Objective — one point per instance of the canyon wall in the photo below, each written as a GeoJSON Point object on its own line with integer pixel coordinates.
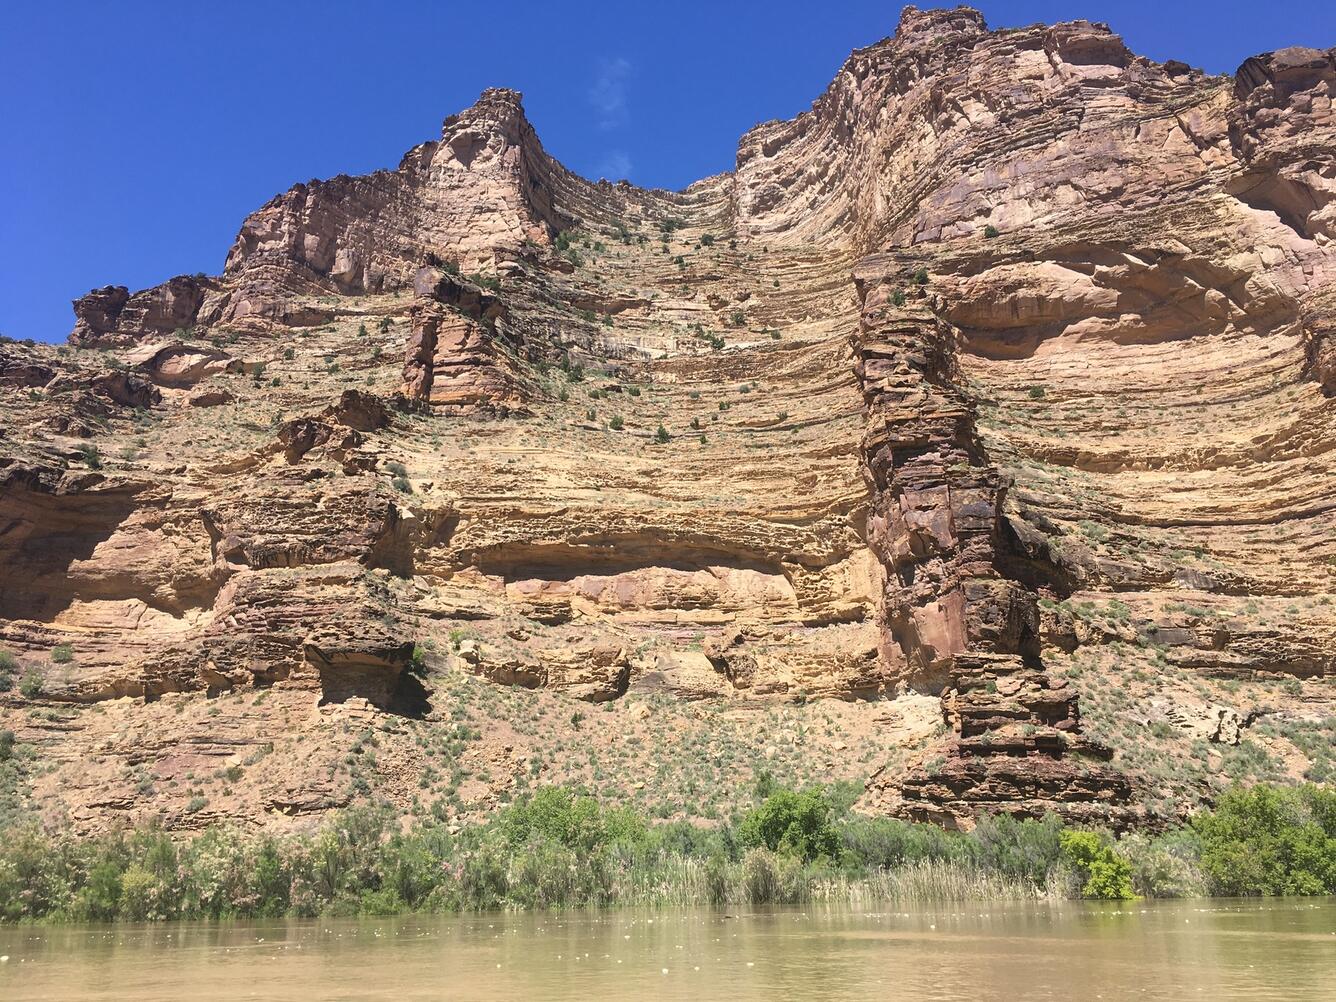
{"type": "Point", "coordinates": [972, 439]}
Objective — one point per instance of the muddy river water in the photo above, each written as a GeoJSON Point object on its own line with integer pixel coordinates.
{"type": "Point", "coordinates": [1218, 949]}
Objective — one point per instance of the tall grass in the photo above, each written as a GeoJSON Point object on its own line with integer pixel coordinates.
{"type": "Point", "coordinates": [935, 881]}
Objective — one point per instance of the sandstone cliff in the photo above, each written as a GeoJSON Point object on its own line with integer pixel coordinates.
{"type": "Point", "coordinates": [975, 436]}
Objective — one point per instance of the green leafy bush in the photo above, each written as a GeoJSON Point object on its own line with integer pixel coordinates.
{"type": "Point", "coordinates": [888, 843]}
{"type": "Point", "coordinates": [1024, 848]}
{"type": "Point", "coordinates": [1167, 866]}
{"type": "Point", "coordinates": [1270, 840]}
{"type": "Point", "coordinates": [1107, 874]}
{"type": "Point", "coordinates": [557, 814]}
{"type": "Point", "coordinates": [796, 824]}
{"type": "Point", "coordinates": [31, 686]}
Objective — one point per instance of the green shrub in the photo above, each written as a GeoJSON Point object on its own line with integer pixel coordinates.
{"type": "Point", "coordinates": [1026, 848]}
{"type": "Point", "coordinates": [31, 686]}
{"type": "Point", "coordinates": [99, 899]}
{"type": "Point", "coordinates": [795, 824]}
{"type": "Point", "coordinates": [1270, 840]}
{"type": "Point", "coordinates": [62, 654]}
{"type": "Point", "coordinates": [990, 231]}
{"type": "Point", "coordinates": [661, 436]}
{"type": "Point", "coordinates": [557, 814]}
{"type": "Point", "coordinates": [1165, 866]}
{"type": "Point", "coordinates": [6, 745]}
{"type": "Point", "coordinates": [1107, 874]}
{"type": "Point", "coordinates": [888, 843]}
{"type": "Point", "coordinates": [615, 422]}
{"type": "Point", "coordinates": [139, 893]}
{"type": "Point", "coordinates": [90, 455]}
{"type": "Point", "coordinates": [899, 298]}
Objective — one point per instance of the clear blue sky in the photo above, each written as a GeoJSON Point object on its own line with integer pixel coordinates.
{"type": "Point", "coordinates": [137, 135]}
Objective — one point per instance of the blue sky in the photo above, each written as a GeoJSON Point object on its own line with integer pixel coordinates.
{"type": "Point", "coordinates": [137, 135]}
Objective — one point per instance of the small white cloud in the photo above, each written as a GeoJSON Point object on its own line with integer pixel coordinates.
{"type": "Point", "coordinates": [615, 166]}
{"type": "Point", "coordinates": [608, 95]}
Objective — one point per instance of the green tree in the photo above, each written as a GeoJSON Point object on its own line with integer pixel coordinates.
{"type": "Point", "coordinates": [1270, 840]}
{"type": "Point", "coordinates": [1107, 874]}
{"type": "Point", "coordinates": [793, 824]}
{"type": "Point", "coordinates": [556, 814]}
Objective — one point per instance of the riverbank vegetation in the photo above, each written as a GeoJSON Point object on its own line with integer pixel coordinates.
{"type": "Point", "coordinates": [560, 849]}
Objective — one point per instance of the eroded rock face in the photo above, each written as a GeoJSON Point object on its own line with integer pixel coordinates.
{"type": "Point", "coordinates": [992, 396]}
{"type": "Point", "coordinates": [19, 373]}
{"type": "Point", "coordinates": [181, 365]}
{"type": "Point", "coordinates": [455, 357]}
{"type": "Point", "coordinates": [111, 315]}
{"type": "Point", "coordinates": [1283, 130]}
{"type": "Point", "coordinates": [485, 185]}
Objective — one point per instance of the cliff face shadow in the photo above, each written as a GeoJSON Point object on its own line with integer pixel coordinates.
{"type": "Point", "coordinates": [42, 536]}
{"type": "Point", "coordinates": [410, 698]}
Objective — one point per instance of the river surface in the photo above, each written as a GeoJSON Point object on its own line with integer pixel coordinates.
{"type": "Point", "coordinates": [1256, 950]}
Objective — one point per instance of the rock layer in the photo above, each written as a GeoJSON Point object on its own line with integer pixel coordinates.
{"type": "Point", "coordinates": [992, 396]}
